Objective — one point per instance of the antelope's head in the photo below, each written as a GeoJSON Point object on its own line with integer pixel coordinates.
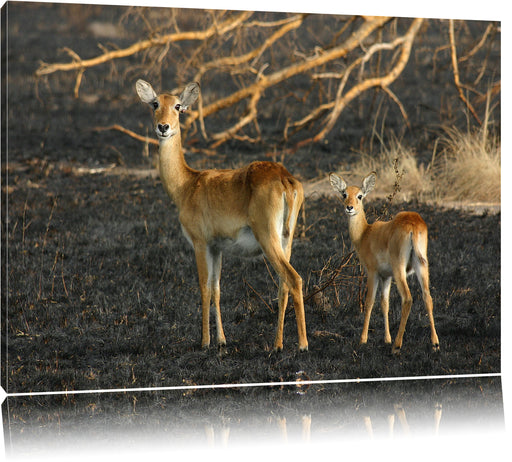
{"type": "Point", "coordinates": [353, 195]}
{"type": "Point", "coordinates": [167, 108]}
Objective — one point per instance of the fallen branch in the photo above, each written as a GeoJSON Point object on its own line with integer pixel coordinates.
{"type": "Point", "coordinates": [342, 101]}
{"type": "Point", "coordinates": [78, 64]}
{"type": "Point", "coordinates": [149, 140]}
{"type": "Point", "coordinates": [344, 76]}
{"type": "Point", "coordinates": [277, 77]}
{"type": "Point", "coordinates": [145, 139]}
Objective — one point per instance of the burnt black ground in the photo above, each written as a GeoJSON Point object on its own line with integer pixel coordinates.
{"type": "Point", "coordinates": [99, 289]}
{"type": "Point", "coordinates": [104, 294]}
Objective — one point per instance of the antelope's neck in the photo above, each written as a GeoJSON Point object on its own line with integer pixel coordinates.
{"type": "Point", "coordinates": [174, 171]}
{"type": "Point", "coordinates": [357, 226]}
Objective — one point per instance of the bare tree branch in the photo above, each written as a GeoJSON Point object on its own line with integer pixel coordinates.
{"type": "Point", "coordinates": [244, 60]}
{"type": "Point", "coordinates": [342, 100]}
{"type": "Point", "coordinates": [79, 64]}
{"type": "Point", "coordinates": [273, 79]}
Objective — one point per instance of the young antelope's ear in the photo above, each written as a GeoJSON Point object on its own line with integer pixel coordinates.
{"type": "Point", "coordinates": [189, 96]}
{"type": "Point", "coordinates": [337, 183]}
{"type": "Point", "coordinates": [368, 183]}
{"type": "Point", "coordinates": [145, 91]}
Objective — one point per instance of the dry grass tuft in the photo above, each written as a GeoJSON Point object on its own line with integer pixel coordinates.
{"type": "Point", "coordinates": [469, 167]}
{"type": "Point", "coordinates": [394, 164]}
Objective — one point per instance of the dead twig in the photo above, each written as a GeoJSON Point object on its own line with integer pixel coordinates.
{"type": "Point", "coordinates": [232, 61]}
{"type": "Point", "coordinates": [399, 104]}
{"type": "Point", "coordinates": [344, 263]}
{"type": "Point", "coordinates": [479, 45]}
{"type": "Point", "coordinates": [259, 295]}
{"type": "Point", "coordinates": [456, 77]}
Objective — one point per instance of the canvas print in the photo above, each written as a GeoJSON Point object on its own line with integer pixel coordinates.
{"type": "Point", "coordinates": [201, 198]}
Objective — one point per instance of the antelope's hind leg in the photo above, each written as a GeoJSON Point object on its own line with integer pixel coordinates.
{"type": "Point", "coordinates": [267, 226]}
{"type": "Point", "coordinates": [282, 303]}
{"type": "Point", "coordinates": [384, 303]}
{"type": "Point", "coordinates": [289, 277]}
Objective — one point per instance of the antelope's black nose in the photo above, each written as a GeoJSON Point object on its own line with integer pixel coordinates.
{"type": "Point", "coordinates": [163, 128]}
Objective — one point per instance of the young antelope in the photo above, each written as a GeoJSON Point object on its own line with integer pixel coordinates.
{"type": "Point", "coordinates": [388, 250]}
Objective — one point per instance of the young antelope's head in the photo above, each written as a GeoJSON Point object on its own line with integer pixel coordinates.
{"type": "Point", "coordinates": [167, 108]}
{"type": "Point", "coordinates": [353, 195]}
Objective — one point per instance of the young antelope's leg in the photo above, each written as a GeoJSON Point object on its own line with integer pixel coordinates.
{"type": "Point", "coordinates": [423, 278]}
{"type": "Point", "coordinates": [372, 284]}
{"type": "Point", "coordinates": [405, 293]}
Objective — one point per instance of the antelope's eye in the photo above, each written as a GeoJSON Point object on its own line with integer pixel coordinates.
{"type": "Point", "coordinates": [177, 107]}
{"type": "Point", "coordinates": [344, 195]}
{"type": "Point", "coordinates": [360, 197]}
{"type": "Point", "coordinates": [155, 104]}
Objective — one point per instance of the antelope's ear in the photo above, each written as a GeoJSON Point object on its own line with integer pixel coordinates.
{"type": "Point", "coordinates": [189, 96]}
{"type": "Point", "coordinates": [368, 183]}
{"type": "Point", "coordinates": [145, 91]}
{"type": "Point", "coordinates": [337, 183]}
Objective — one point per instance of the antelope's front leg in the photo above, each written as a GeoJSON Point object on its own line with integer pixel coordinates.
{"type": "Point", "coordinates": [372, 284]}
{"type": "Point", "coordinates": [405, 294]}
{"type": "Point", "coordinates": [204, 287]}
{"type": "Point", "coordinates": [214, 260]}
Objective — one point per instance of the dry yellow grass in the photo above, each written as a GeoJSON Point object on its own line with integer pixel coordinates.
{"type": "Point", "coordinates": [395, 163]}
{"type": "Point", "coordinates": [469, 167]}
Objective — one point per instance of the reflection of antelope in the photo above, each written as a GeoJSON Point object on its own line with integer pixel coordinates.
{"type": "Point", "coordinates": [399, 411]}
{"type": "Point", "coordinates": [388, 250]}
{"type": "Point", "coordinates": [248, 211]}
{"type": "Point", "coordinates": [305, 421]}
{"type": "Point", "coordinates": [222, 435]}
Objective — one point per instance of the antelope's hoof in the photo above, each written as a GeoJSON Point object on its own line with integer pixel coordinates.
{"type": "Point", "coordinates": [435, 348]}
{"type": "Point", "coordinates": [278, 348]}
{"type": "Point", "coordinates": [222, 349]}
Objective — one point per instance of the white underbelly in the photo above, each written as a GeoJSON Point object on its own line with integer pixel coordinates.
{"type": "Point", "coordinates": [384, 269]}
{"type": "Point", "coordinates": [244, 245]}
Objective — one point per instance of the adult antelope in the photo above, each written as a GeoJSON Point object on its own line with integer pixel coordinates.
{"type": "Point", "coordinates": [247, 211]}
{"type": "Point", "coordinates": [387, 250]}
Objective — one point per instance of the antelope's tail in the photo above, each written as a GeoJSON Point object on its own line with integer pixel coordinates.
{"type": "Point", "coordinates": [293, 197]}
